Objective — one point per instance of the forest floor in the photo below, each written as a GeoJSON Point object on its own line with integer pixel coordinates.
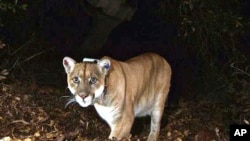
{"type": "Point", "coordinates": [32, 107]}
{"type": "Point", "coordinates": [31, 112]}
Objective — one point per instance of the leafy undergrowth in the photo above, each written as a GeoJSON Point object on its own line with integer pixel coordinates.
{"type": "Point", "coordinates": [31, 112]}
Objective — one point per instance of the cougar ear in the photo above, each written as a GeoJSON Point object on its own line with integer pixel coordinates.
{"type": "Point", "coordinates": [105, 64]}
{"type": "Point", "coordinates": [68, 64]}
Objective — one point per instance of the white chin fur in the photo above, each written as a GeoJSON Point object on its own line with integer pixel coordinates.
{"type": "Point", "coordinates": [99, 92]}
{"type": "Point", "coordinates": [89, 99]}
{"type": "Point", "coordinates": [84, 102]}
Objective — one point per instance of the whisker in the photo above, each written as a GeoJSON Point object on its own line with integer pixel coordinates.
{"type": "Point", "coordinates": [64, 96]}
{"type": "Point", "coordinates": [71, 100]}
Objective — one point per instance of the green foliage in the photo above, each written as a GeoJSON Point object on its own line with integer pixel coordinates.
{"type": "Point", "coordinates": [12, 6]}
{"type": "Point", "coordinates": [210, 24]}
{"type": "Point", "coordinates": [211, 31]}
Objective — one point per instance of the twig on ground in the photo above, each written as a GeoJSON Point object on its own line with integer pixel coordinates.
{"type": "Point", "coordinates": [20, 121]}
{"type": "Point", "coordinates": [238, 70]}
{"type": "Point", "coordinates": [24, 45]}
{"type": "Point", "coordinates": [14, 64]}
{"type": "Point", "coordinates": [37, 54]}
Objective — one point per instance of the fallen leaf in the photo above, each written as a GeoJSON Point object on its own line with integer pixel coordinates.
{"type": "Point", "coordinates": [6, 139]}
{"type": "Point", "coordinates": [186, 132]}
{"type": "Point", "coordinates": [27, 139]}
{"type": "Point", "coordinates": [37, 134]}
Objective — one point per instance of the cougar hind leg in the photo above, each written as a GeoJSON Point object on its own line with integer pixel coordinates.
{"type": "Point", "coordinates": [156, 116]}
{"type": "Point", "coordinates": [155, 125]}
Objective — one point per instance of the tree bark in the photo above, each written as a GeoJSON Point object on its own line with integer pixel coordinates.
{"type": "Point", "coordinates": [113, 12]}
{"type": "Point", "coordinates": [98, 34]}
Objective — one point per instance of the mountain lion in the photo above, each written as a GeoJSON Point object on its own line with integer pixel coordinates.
{"type": "Point", "coordinates": [121, 91]}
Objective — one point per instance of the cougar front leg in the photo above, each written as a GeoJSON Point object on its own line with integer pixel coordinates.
{"type": "Point", "coordinates": [122, 128]}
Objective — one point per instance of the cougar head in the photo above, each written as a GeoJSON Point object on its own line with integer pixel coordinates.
{"type": "Point", "coordinates": [86, 80]}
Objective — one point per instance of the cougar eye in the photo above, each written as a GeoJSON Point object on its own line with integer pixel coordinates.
{"type": "Point", "coordinates": [92, 80]}
{"type": "Point", "coordinates": [76, 79]}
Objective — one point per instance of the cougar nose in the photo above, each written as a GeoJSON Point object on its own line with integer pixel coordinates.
{"type": "Point", "coordinates": [83, 96]}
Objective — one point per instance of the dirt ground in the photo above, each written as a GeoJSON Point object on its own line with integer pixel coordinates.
{"type": "Point", "coordinates": [32, 107]}
{"type": "Point", "coordinates": [30, 112]}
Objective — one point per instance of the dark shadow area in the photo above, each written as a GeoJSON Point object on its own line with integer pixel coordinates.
{"type": "Point", "coordinates": [207, 44]}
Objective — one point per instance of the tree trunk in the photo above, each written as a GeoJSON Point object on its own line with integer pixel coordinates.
{"type": "Point", "coordinates": [98, 34]}
{"type": "Point", "coordinates": [113, 12]}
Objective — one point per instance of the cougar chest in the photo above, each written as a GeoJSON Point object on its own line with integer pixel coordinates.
{"type": "Point", "coordinates": [109, 114]}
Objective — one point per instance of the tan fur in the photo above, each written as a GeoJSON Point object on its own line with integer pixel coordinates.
{"type": "Point", "coordinates": [136, 87]}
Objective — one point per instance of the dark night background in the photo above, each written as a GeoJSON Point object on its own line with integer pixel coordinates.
{"type": "Point", "coordinates": [206, 43]}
